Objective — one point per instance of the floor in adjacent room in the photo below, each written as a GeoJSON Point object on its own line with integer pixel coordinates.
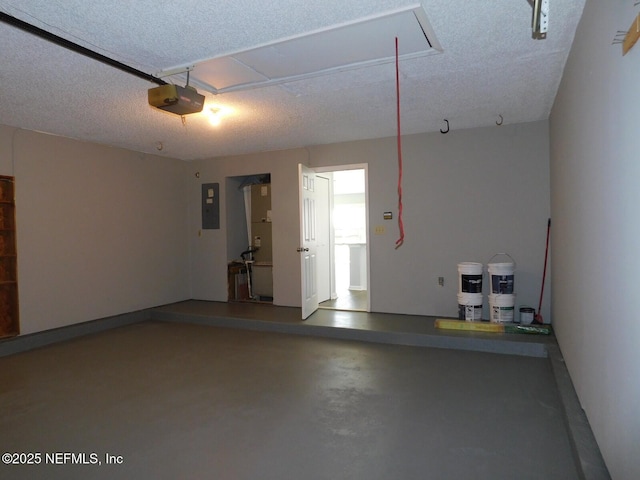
{"type": "Point", "coordinates": [348, 300]}
{"type": "Point", "coordinates": [181, 400]}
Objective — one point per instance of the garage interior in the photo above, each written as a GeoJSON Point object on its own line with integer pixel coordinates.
{"type": "Point", "coordinates": [502, 127]}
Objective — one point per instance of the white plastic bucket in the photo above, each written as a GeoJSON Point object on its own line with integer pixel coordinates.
{"type": "Point", "coordinates": [470, 277]}
{"type": "Point", "coordinates": [501, 278]}
{"type": "Point", "coordinates": [527, 314]}
{"type": "Point", "coordinates": [501, 308]}
{"type": "Point", "coordinates": [470, 306]}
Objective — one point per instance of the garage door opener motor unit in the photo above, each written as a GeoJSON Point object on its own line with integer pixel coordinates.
{"type": "Point", "coordinates": [176, 99]}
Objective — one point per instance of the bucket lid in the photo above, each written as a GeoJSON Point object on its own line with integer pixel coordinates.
{"type": "Point", "coordinates": [470, 298]}
{"type": "Point", "coordinates": [512, 262]}
{"type": "Point", "coordinates": [473, 296]}
{"type": "Point", "coordinates": [503, 299]}
{"type": "Point", "coordinates": [470, 268]}
{"type": "Point", "coordinates": [502, 265]}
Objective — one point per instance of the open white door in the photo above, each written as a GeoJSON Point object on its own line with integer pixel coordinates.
{"type": "Point", "coordinates": [307, 248]}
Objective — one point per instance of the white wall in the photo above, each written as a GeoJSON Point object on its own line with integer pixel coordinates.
{"type": "Point", "coordinates": [467, 195]}
{"type": "Point", "coordinates": [101, 231]}
{"type": "Point", "coordinates": [595, 171]}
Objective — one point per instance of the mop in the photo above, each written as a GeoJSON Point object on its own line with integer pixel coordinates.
{"type": "Point", "coordinates": [538, 317]}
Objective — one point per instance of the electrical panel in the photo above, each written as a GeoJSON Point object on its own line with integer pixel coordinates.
{"type": "Point", "coordinates": [210, 206]}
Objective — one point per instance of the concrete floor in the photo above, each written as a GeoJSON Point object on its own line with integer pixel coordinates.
{"type": "Point", "coordinates": [181, 400]}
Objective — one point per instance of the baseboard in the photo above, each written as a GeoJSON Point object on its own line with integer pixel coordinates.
{"type": "Point", "coordinates": [23, 343]}
{"type": "Point", "coordinates": [585, 449]}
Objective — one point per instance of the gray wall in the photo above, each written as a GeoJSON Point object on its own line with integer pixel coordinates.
{"type": "Point", "coordinates": [467, 195]}
{"type": "Point", "coordinates": [101, 231]}
{"type": "Point", "coordinates": [208, 260]}
{"type": "Point", "coordinates": [595, 172]}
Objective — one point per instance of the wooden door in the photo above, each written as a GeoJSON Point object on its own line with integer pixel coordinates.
{"type": "Point", "coordinates": [9, 324]}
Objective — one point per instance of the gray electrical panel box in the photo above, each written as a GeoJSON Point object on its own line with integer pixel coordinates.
{"type": "Point", "coordinates": [210, 206]}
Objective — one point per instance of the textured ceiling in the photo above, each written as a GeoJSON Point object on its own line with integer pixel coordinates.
{"type": "Point", "coordinates": [489, 66]}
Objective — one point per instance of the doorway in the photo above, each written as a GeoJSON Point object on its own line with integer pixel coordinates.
{"type": "Point", "coordinates": [346, 283]}
{"type": "Point", "coordinates": [249, 238]}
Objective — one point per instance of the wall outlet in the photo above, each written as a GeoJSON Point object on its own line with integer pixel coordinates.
{"type": "Point", "coordinates": [379, 230]}
{"type": "Point", "coordinates": [441, 281]}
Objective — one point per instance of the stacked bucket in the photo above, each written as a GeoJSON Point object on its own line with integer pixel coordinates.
{"type": "Point", "coordinates": [502, 298]}
{"type": "Point", "coordinates": [470, 291]}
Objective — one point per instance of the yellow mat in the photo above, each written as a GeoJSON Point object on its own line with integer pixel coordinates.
{"type": "Point", "coordinates": [450, 324]}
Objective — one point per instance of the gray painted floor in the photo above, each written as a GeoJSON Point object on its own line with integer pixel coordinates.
{"type": "Point", "coordinates": [388, 328]}
{"type": "Point", "coordinates": [180, 400]}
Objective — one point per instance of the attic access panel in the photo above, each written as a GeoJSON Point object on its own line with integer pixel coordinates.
{"type": "Point", "coordinates": [358, 44]}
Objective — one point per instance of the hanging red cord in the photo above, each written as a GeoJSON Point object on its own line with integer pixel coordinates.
{"type": "Point", "coordinates": [400, 240]}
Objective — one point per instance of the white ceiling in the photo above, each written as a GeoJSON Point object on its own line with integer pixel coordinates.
{"type": "Point", "coordinates": [489, 66]}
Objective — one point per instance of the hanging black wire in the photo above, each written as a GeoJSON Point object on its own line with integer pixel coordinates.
{"type": "Point", "coordinates": [63, 42]}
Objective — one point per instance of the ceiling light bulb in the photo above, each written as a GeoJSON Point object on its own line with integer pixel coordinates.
{"type": "Point", "coordinates": [214, 116]}
{"type": "Point", "coordinates": [217, 112]}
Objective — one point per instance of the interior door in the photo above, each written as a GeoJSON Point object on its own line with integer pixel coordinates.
{"type": "Point", "coordinates": [308, 240]}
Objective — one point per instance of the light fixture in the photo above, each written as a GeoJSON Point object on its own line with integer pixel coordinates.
{"type": "Point", "coordinates": [216, 113]}
{"type": "Point", "coordinates": [214, 116]}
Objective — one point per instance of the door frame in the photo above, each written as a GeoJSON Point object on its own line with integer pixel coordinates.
{"type": "Point", "coordinates": [325, 250]}
{"type": "Point", "coordinates": [353, 166]}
